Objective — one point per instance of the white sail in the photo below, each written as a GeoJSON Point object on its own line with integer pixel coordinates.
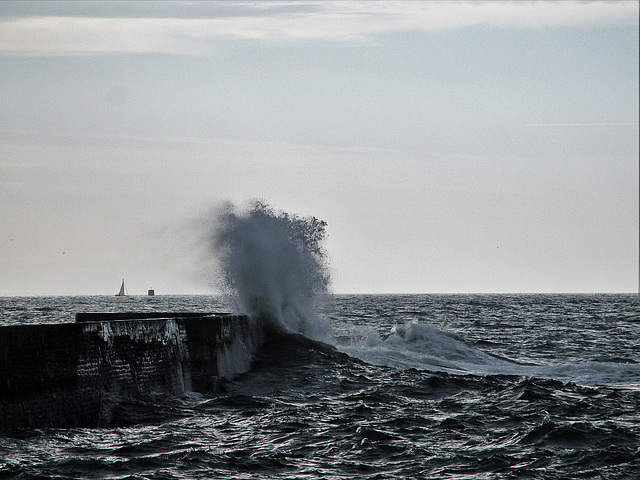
{"type": "Point", "coordinates": [122, 292]}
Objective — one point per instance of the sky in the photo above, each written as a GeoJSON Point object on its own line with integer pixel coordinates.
{"type": "Point", "coordinates": [451, 147]}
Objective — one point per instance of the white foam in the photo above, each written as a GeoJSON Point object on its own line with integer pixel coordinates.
{"type": "Point", "coordinates": [425, 347]}
{"type": "Point", "coordinates": [234, 357]}
{"type": "Point", "coordinates": [417, 345]}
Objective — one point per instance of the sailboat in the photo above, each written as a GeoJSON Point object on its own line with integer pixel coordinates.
{"type": "Point", "coordinates": [122, 291]}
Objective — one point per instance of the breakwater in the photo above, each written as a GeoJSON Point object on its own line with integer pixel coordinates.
{"type": "Point", "coordinates": [66, 375]}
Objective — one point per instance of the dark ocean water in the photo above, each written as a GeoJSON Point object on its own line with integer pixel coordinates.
{"type": "Point", "coordinates": [413, 386]}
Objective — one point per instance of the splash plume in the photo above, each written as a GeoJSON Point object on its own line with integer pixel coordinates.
{"type": "Point", "coordinates": [273, 265]}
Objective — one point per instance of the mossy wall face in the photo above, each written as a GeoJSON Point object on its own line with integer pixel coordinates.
{"type": "Point", "coordinates": [57, 375]}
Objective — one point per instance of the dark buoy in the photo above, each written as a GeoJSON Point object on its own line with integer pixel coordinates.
{"type": "Point", "coordinates": [151, 292]}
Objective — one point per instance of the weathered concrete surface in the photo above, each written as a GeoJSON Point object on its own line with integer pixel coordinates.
{"type": "Point", "coordinates": [60, 375]}
{"type": "Point", "coordinates": [111, 316]}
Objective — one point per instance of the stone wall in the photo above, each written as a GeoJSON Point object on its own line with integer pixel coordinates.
{"type": "Point", "coordinates": [60, 375]}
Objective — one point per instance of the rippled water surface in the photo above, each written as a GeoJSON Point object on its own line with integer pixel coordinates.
{"type": "Point", "coordinates": [448, 386]}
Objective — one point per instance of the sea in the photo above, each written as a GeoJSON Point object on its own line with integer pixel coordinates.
{"type": "Point", "coordinates": [390, 387]}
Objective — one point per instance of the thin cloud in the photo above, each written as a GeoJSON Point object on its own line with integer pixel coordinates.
{"type": "Point", "coordinates": [287, 22]}
{"type": "Point", "coordinates": [610, 124]}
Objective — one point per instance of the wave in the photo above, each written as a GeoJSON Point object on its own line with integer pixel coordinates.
{"type": "Point", "coordinates": [273, 266]}
{"type": "Point", "coordinates": [423, 346]}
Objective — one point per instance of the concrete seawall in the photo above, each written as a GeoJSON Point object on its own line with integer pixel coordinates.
{"type": "Point", "coordinates": [62, 375]}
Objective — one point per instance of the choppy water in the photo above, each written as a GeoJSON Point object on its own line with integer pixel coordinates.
{"type": "Point", "coordinates": [415, 386]}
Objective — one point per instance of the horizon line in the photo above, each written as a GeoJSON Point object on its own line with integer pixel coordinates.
{"type": "Point", "coordinates": [334, 293]}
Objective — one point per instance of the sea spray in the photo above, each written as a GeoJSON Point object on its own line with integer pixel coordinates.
{"type": "Point", "coordinates": [273, 265]}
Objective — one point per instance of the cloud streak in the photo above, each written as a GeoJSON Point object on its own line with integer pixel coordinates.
{"type": "Point", "coordinates": [609, 124]}
{"type": "Point", "coordinates": [350, 22]}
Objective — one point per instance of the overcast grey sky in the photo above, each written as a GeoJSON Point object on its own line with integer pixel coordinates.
{"type": "Point", "coordinates": [450, 147]}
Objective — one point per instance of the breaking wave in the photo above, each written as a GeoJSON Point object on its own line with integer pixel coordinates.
{"type": "Point", "coordinates": [424, 346]}
{"type": "Point", "coordinates": [273, 267]}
